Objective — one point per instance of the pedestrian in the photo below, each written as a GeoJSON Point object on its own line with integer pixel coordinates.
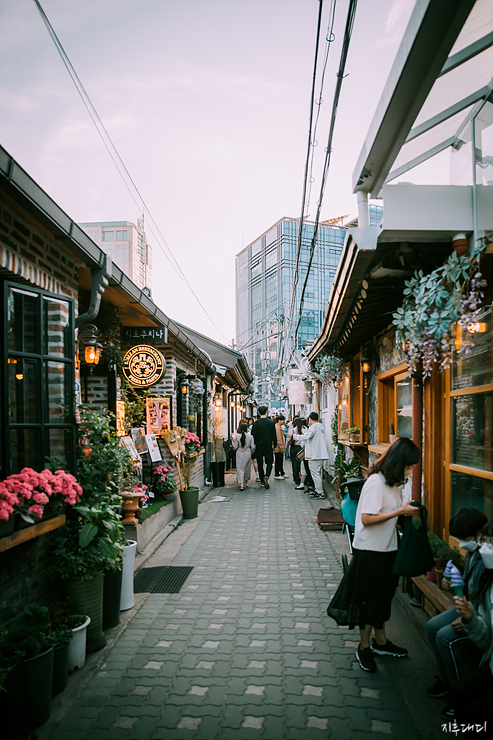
{"type": "Point", "coordinates": [254, 459]}
{"type": "Point", "coordinates": [265, 438]}
{"type": "Point", "coordinates": [363, 597]}
{"type": "Point", "coordinates": [446, 628]}
{"type": "Point", "coordinates": [279, 449]}
{"type": "Point", "coordinates": [316, 452]}
{"type": "Point", "coordinates": [294, 448]}
{"type": "Point", "coordinates": [244, 445]}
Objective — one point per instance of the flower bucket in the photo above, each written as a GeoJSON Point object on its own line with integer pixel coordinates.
{"type": "Point", "coordinates": [112, 592]}
{"type": "Point", "coordinates": [86, 597]}
{"type": "Point", "coordinates": [38, 680]}
{"type": "Point", "coordinates": [127, 598]}
{"type": "Point", "coordinates": [77, 645]}
{"type": "Point", "coordinates": [60, 668]}
{"type": "Point", "coordinates": [190, 503]}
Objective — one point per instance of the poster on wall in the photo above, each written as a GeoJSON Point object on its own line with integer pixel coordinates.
{"type": "Point", "coordinates": [120, 418]}
{"type": "Point", "coordinates": [139, 440]}
{"type": "Point", "coordinates": [158, 415]}
{"type": "Point", "coordinates": [153, 448]}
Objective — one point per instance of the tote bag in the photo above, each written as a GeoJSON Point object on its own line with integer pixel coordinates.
{"type": "Point", "coordinates": [414, 556]}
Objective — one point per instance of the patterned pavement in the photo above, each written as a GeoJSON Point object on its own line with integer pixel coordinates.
{"type": "Point", "coordinates": [245, 651]}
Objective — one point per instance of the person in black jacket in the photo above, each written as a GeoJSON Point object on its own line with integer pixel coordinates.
{"type": "Point", "coordinates": [264, 434]}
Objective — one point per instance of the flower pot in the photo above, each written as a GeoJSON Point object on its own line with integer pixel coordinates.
{"type": "Point", "coordinates": [190, 503]}
{"type": "Point", "coordinates": [60, 668]}
{"type": "Point", "coordinates": [130, 504]}
{"type": "Point", "coordinates": [391, 438]}
{"type": "Point", "coordinates": [15, 721]}
{"type": "Point", "coordinates": [127, 597]}
{"type": "Point", "coordinates": [7, 527]}
{"type": "Point", "coordinates": [77, 645]}
{"type": "Point", "coordinates": [86, 597]}
{"type": "Point", "coordinates": [112, 592]}
{"type": "Point", "coordinates": [38, 679]}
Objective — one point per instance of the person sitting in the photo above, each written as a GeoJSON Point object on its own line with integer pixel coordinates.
{"type": "Point", "coordinates": [445, 630]}
{"type": "Point", "coordinates": [471, 698]}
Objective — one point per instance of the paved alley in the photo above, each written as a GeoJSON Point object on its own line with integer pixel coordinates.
{"type": "Point", "coordinates": [245, 650]}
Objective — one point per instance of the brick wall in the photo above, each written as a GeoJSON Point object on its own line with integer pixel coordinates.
{"type": "Point", "coordinates": [97, 392]}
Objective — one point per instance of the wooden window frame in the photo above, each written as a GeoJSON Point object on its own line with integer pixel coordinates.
{"type": "Point", "coordinates": [386, 401]}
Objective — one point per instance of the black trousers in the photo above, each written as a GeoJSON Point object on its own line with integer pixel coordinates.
{"type": "Point", "coordinates": [279, 463]}
{"type": "Point", "coordinates": [294, 449]}
{"type": "Point", "coordinates": [267, 456]}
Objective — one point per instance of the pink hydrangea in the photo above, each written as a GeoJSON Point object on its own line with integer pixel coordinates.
{"type": "Point", "coordinates": [36, 510]}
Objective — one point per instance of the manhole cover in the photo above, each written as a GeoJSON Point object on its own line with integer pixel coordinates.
{"type": "Point", "coordinates": [161, 580]}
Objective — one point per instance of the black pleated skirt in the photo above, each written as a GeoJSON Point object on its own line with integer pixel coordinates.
{"type": "Point", "coordinates": [365, 593]}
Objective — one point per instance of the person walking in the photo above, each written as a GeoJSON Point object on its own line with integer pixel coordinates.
{"type": "Point", "coordinates": [265, 438]}
{"type": "Point", "coordinates": [363, 597]}
{"type": "Point", "coordinates": [279, 449]}
{"type": "Point", "coordinates": [244, 445]}
{"type": "Point", "coordinates": [316, 452]}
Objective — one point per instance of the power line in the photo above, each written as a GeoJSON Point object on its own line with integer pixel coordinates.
{"type": "Point", "coordinates": [340, 76]}
{"type": "Point", "coordinates": [117, 160]}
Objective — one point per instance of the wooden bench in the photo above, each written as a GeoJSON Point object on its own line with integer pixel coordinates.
{"type": "Point", "coordinates": [433, 600]}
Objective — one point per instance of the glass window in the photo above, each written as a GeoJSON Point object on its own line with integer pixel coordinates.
{"type": "Point", "coordinates": [23, 390]}
{"type": "Point", "coordinates": [471, 431]}
{"type": "Point", "coordinates": [108, 236]}
{"type": "Point", "coordinates": [404, 399]}
{"type": "Point", "coordinates": [25, 449]}
{"type": "Point", "coordinates": [57, 390]}
{"type": "Point", "coordinates": [124, 234]}
{"type": "Point", "coordinates": [57, 340]}
{"type": "Point", "coordinates": [470, 490]}
{"type": "Point", "coordinates": [475, 368]}
{"type": "Point", "coordinates": [23, 321]}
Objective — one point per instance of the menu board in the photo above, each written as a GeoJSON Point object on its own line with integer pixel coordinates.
{"type": "Point", "coordinates": [120, 418]}
{"type": "Point", "coordinates": [153, 448]}
{"type": "Point", "coordinates": [158, 415]}
{"type": "Point", "coordinates": [138, 436]}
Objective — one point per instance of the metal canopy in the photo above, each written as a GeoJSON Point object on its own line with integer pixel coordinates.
{"type": "Point", "coordinates": [447, 49]}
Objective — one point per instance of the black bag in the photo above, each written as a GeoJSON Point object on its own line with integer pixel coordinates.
{"type": "Point", "coordinates": [414, 556]}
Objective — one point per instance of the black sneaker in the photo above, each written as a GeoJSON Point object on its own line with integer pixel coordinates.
{"type": "Point", "coordinates": [439, 689]}
{"type": "Point", "coordinates": [366, 659]}
{"type": "Point", "coordinates": [448, 712]}
{"type": "Point", "coordinates": [266, 484]}
{"type": "Point", "coordinates": [388, 649]}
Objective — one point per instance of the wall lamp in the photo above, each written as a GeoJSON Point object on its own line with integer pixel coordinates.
{"type": "Point", "coordinates": [365, 365]}
{"type": "Point", "coordinates": [92, 348]}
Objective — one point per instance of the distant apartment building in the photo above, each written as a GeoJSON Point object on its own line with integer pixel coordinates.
{"type": "Point", "coordinates": [127, 246]}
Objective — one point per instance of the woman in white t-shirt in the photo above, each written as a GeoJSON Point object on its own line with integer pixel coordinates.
{"type": "Point", "coordinates": [365, 593]}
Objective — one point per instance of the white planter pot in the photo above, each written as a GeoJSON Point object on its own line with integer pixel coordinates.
{"type": "Point", "coordinates": [127, 599]}
{"type": "Point", "coordinates": [77, 646]}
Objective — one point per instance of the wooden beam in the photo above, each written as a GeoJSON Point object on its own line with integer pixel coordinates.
{"type": "Point", "coordinates": [29, 533]}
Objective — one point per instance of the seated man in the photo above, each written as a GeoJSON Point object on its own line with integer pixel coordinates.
{"type": "Point", "coordinates": [444, 630]}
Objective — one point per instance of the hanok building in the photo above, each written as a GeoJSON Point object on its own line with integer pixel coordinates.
{"type": "Point", "coordinates": [428, 156]}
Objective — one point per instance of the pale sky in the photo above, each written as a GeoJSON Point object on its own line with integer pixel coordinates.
{"type": "Point", "coordinates": [207, 102]}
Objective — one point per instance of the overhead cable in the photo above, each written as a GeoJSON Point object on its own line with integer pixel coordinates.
{"type": "Point", "coordinates": [118, 161]}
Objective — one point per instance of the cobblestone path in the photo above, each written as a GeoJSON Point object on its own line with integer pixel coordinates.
{"type": "Point", "coordinates": [245, 651]}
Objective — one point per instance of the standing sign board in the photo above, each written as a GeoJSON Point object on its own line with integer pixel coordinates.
{"type": "Point", "coordinates": [158, 413]}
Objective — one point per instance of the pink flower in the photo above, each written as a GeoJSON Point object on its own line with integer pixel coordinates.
{"type": "Point", "coordinates": [36, 511]}
{"type": "Point", "coordinates": [41, 498]}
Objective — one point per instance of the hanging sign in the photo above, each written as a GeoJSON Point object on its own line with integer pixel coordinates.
{"type": "Point", "coordinates": [142, 333]}
{"type": "Point", "coordinates": [143, 365]}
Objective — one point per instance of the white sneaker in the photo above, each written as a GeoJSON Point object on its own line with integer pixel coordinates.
{"type": "Point", "coordinates": [278, 477]}
{"type": "Point", "coordinates": [300, 487]}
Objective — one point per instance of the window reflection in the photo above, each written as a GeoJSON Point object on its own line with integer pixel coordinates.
{"type": "Point", "coordinates": [468, 490]}
{"type": "Point", "coordinates": [23, 321]}
{"type": "Point", "coordinates": [471, 431]}
{"type": "Point", "coordinates": [56, 328]}
{"type": "Point", "coordinates": [475, 368]}
{"type": "Point", "coordinates": [404, 402]}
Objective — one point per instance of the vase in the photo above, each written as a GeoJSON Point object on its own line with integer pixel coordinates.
{"type": "Point", "coordinates": [77, 645]}
{"type": "Point", "coordinates": [127, 597]}
{"type": "Point", "coordinates": [112, 592]}
{"type": "Point", "coordinates": [86, 597]}
{"type": "Point", "coordinates": [190, 503]}
{"type": "Point", "coordinates": [7, 527]}
{"type": "Point", "coordinates": [38, 680]}
{"type": "Point", "coordinates": [60, 668]}
{"type": "Point", "coordinates": [130, 504]}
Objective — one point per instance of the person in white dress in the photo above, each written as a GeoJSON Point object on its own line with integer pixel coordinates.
{"type": "Point", "coordinates": [244, 445]}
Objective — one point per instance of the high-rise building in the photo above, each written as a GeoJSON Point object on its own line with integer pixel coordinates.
{"type": "Point", "coordinates": [265, 273]}
{"type": "Point", "coordinates": [127, 246]}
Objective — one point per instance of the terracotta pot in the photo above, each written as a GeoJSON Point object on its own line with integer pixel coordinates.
{"type": "Point", "coordinates": [130, 504]}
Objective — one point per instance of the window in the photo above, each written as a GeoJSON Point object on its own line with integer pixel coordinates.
{"type": "Point", "coordinates": [395, 406]}
{"type": "Point", "coordinates": [108, 236]}
{"type": "Point", "coordinates": [469, 425]}
{"type": "Point", "coordinates": [38, 388]}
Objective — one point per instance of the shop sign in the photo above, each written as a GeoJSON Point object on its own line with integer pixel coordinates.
{"type": "Point", "coordinates": [145, 333]}
{"type": "Point", "coordinates": [143, 365]}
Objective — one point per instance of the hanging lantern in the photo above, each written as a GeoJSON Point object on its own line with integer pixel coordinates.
{"type": "Point", "coordinates": [92, 348]}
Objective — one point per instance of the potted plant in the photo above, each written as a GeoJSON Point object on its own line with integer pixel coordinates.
{"type": "Point", "coordinates": [352, 433]}
{"type": "Point", "coordinates": [60, 639]}
{"type": "Point", "coordinates": [163, 484]}
{"type": "Point", "coordinates": [189, 496]}
{"type": "Point", "coordinates": [442, 552]}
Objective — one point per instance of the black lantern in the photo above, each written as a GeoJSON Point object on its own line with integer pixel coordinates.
{"type": "Point", "coordinates": [365, 365]}
{"type": "Point", "coordinates": [92, 348]}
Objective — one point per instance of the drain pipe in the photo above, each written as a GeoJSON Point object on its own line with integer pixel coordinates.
{"type": "Point", "coordinates": [417, 434]}
{"type": "Point", "coordinates": [363, 215]}
{"type": "Point", "coordinates": [99, 282]}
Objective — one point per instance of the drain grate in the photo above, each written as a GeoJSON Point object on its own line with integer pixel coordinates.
{"type": "Point", "coordinates": [161, 580]}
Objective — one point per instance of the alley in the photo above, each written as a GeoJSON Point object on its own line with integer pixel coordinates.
{"type": "Point", "coordinates": [245, 650]}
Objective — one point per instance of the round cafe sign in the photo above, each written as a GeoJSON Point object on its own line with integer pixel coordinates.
{"type": "Point", "coordinates": [143, 365]}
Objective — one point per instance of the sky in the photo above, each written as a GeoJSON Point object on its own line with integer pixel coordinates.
{"type": "Point", "coordinates": [207, 103]}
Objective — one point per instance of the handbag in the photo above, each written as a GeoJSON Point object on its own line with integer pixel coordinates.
{"type": "Point", "coordinates": [414, 556]}
{"type": "Point", "coordinates": [301, 454]}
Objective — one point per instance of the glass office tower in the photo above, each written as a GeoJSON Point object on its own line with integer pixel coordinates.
{"type": "Point", "coordinates": [264, 285]}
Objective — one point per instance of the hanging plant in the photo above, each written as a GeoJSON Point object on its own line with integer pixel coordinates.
{"type": "Point", "coordinates": [434, 305]}
{"type": "Point", "coordinates": [329, 367]}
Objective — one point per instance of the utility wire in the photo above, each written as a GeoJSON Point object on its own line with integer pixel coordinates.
{"type": "Point", "coordinates": [117, 160]}
{"type": "Point", "coordinates": [340, 76]}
